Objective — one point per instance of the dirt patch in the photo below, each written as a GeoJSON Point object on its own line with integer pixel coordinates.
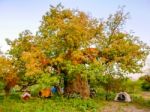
{"type": "Point", "coordinates": [146, 95]}
{"type": "Point", "coordinates": [122, 107]}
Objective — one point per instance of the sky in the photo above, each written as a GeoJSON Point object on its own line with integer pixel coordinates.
{"type": "Point", "coordinates": [19, 15]}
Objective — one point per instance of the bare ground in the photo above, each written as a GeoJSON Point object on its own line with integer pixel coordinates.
{"type": "Point", "coordinates": [146, 95]}
{"type": "Point", "coordinates": [122, 107]}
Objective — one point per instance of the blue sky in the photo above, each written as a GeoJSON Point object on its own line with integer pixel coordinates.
{"type": "Point", "coordinates": [18, 15]}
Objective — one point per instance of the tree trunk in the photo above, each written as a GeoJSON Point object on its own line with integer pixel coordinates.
{"type": "Point", "coordinates": [77, 85]}
{"type": "Point", "coordinates": [7, 90]}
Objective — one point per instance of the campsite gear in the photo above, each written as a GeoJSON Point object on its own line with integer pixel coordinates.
{"type": "Point", "coordinates": [123, 96]}
{"type": "Point", "coordinates": [45, 93]}
{"type": "Point", "coordinates": [26, 96]}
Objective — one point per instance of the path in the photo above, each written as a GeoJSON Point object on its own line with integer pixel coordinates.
{"type": "Point", "coordinates": [122, 107]}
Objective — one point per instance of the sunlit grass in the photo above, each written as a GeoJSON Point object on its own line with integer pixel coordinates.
{"type": "Point", "coordinates": [57, 104]}
{"type": "Point", "coordinates": [14, 103]}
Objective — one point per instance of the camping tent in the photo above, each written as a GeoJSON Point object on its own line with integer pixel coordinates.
{"type": "Point", "coordinates": [123, 96]}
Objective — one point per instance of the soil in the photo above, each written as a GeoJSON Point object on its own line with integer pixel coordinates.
{"type": "Point", "coordinates": [122, 107]}
{"type": "Point", "coordinates": [146, 95]}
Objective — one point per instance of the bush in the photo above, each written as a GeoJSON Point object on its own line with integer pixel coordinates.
{"type": "Point", "coordinates": [103, 94]}
{"type": "Point", "coordinates": [131, 86]}
{"type": "Point", "coordinates": [35, 89]}
{"type": "Point", "coordinates": [145, 86]}
{"type": "Point", "coordinates": [110, 96]}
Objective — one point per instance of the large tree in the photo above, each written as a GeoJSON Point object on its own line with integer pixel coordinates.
{"type": "Point", "coordinates": [72, 45]}
{"type": "Point", "coordinates": [69, 35]}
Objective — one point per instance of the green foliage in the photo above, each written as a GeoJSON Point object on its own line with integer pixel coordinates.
{"type": "Point", "coordinates": [103, 95]}
{"type": "Point", "coordinates": [145, 85]}
{"type": "Point", "coordinates": [111, 83]}
{"type": "Point", "coordinates": [131, 86]}
{"type": "Point", "coordinates": [87, 71]}
{"type": "Point", "coordinates": [1, 86]}
{"type": "Point", "coordinates": [48, 80]}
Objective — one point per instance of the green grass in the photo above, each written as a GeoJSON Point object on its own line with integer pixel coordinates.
{"type": "Point", "coordinates": [139, 100]}
{"type": "Point", "coordinates": [13, 103]}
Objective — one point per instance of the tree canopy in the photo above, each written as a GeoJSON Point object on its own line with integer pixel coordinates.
{"type": "Point", "coordinates": [71, 45]}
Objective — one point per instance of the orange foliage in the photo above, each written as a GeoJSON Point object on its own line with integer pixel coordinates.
{"type": "Point", "coordinates": [44, 61]}
{"type": "Point", "coordinates": [11, 80]}
{"type": "Point", "coordinates": [77, 57]}
{"type": "Point", "coordinates": [81, 56]}
{"type": "Point", "coordinates": [91, 54]}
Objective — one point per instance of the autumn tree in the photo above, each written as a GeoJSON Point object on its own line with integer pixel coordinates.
{"type": "Point", "coordinates": [7, 74]}
{"type": "Point", "coordinates": [28, 59]}
{"type": "Point", "coordinates": [67, 37]}
{"type": "Point", "coordinates": [69, 34]}
{"type": "Point", "coordinates": [72, 45]}
{"type": "Point", "coordinates": [121, 52]}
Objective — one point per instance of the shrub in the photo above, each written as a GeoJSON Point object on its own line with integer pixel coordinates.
{"type": "Point", "coordinates": [145, 86]}
{"type": "Point", "coordinates": [131, 86]}
{"type": "Point", "coordinates": [103, 95]}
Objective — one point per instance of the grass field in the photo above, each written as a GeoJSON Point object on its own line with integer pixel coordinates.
{"type": "Point", "coordinates": [57, 104]}
{"type": "Point", "coordinates": [13, 103]}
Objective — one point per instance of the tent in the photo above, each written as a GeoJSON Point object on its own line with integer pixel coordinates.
{"type": "Point", "coordinates": [45, 93]}
{"type": "Point", "coordinates": [26, 96]}
{"type": "Point", "coordinates": [123, 96]}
